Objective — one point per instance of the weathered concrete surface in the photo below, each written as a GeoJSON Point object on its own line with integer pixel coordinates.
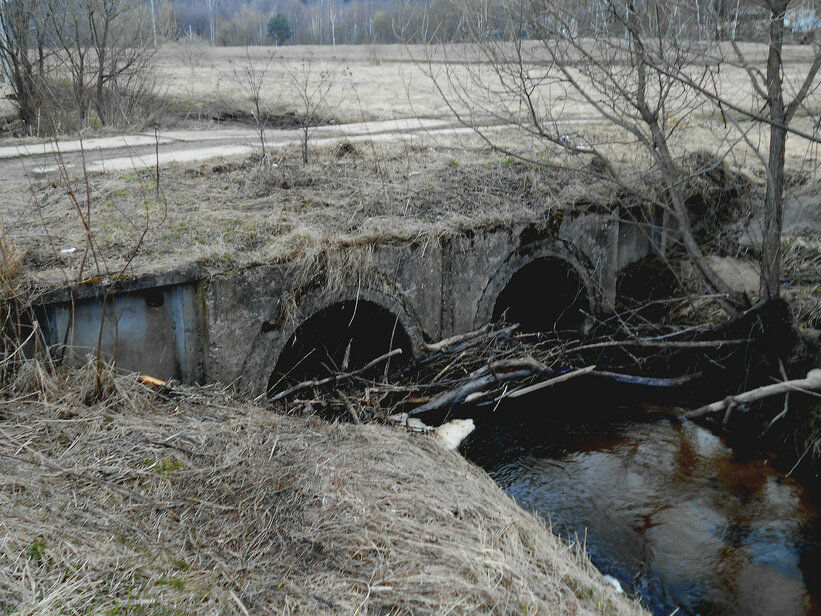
{"type": "Point", "coordinates": [802, 216]}
{"type": "Point", "coordinates": [740, 275]}
{"type": "Point", "coordinates": [231, 326]}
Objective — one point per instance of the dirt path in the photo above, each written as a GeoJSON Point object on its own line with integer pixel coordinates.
{"type": "Point", "coordinates": [20, 163]}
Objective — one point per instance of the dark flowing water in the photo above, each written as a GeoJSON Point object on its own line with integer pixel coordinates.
{"type": "Point", "coordinates": [666, 507]}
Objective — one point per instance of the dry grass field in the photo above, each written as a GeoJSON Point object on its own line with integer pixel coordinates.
{"type": "Point", "coordinates": [237, 211]}
{"type": "Point", "coordinates": [387, 81]}
{"type": "Point", "coordinates": [197, 81]}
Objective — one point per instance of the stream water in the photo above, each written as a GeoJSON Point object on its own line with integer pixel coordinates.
{"type": "Point", "coordinates": [665, 506]}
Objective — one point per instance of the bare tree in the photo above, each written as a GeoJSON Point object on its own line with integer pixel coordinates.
{"type": "Point", "coordinates": [309, 87]}
{"type": "Point", "coordinates": [778, 113]}
{"type": "Point", "coordinates": [121, 35]}
{"type": "Point", "coordinates": [24, 54]}
{"type": "Point", "coordinates": [644, 66]}
{"type": "Point", "coordinates": [251, 79]}
{"type": "Point", "coordinates": [101, 49]}
{"type": "Point", "coordinates": [212, 18]}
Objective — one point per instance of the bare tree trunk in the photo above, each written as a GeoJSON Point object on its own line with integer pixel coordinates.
{"type": "Point", "coordinates": [102, 47]}
{"type": "Point", "coordinates": [732, 302]}
{"type": "Point", "coordinates": [304, 144]}
{"type": "Point", "coordinates": [774, 199]}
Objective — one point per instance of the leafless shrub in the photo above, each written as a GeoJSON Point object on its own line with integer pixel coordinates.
{"type": "Point", "coordinates": [309, 87]}
{"type": "Point", "coordinates": [98, 53]}
{"type": "Point", "coordinates": [251, 79]}
{"type": "Point", "coordinates": [17, 333]}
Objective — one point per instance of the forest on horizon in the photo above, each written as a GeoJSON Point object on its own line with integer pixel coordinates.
{"type": "Point", "coordinates": [353, 22]}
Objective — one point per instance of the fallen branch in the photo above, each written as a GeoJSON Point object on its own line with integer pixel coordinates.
{"type": "Point", "coordinates": [336, 377]}
{"type": "Point", "coordinates": [457, 343]}
{"type": "Point", "coordinates": [550, 382]}
{"type": "Point", "coordinates": [446, 342]}
{"type": "Point", "coordinates": [502, 365]}
{"type": "Point", "coordinates": [696, 344]}
{"type": "Point", "coordinates": [455, 396]}
{"type": "Point", "coordinates": [811, 383]}
{"type": "Point", "coordinates": [648, 381]}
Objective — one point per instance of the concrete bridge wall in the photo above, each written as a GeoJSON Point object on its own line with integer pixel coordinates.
{"type": "Point", "coordinates": [231, 326]}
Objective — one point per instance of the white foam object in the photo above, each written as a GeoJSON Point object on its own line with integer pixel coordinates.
{"type": "Point", "coordinates": [614, 583]}
{"type": "Point", "coordinates": [452, 433]}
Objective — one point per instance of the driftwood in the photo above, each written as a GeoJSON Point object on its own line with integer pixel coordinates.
{"type": "Point", "coordinates": [497, 372]}
{"type": "Point", "coordinates": [613, 376]}
{"type": "Point", "coordinates": [336, 377]}
{"type": "Point", "coordinates": [811, 383]}
{"type": "Point", "coordinates": [550, 382]}
{"type": "Point", "coordinates": [454, 396]}
{"type": "Point", "coordinates": [492, 373]}
{"type": "Point", "coordinates": [664, 344]}
{"type": "Point", "coordinates": [435, 347]}
{"type": "Point", "coordinates": [647, 381]}
{"type": "Point", "coordinates": [457, 343]}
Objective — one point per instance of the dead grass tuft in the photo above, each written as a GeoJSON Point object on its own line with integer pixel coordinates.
{"type": "Point", "coordinates": [34, 378]}
{"type": "Point", "coordinates": [801, 259]}
{"type": "Point", "coordinates": [11, 266]}
{"type": "Point", "coordinates": [202, 504]}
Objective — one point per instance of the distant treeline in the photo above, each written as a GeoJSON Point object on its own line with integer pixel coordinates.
{"type": "Point", "coordinates": [339, 22]}
{"type": "Point", "coordinates": [317, 22]}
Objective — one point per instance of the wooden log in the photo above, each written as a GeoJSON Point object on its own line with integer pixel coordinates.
{"type": "Point", "coordinates": [811, 383]}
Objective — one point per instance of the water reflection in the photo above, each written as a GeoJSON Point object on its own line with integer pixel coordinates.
{"type": "Point", "coordinates": [668, 509]}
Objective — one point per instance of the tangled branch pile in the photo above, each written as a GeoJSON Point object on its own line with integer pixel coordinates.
{"type": "Point", "coordinates": [201, 504]}
{"type": "Point", "coordinates": [490, 365]}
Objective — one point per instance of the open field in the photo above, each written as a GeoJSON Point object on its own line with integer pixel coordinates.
{"type": "Point", "coordinates": [389, 81]}
{"type": "Point", "coordinates": [375, 82]}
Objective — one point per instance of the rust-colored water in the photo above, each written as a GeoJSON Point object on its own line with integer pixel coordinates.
{"type": "Point", "coordinates": [668, 508]}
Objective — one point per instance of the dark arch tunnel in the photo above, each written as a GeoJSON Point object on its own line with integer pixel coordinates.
{"type": "Point", "coordinates": [359, 330]}
{"type": "Point", "coordinates": [546, 294]}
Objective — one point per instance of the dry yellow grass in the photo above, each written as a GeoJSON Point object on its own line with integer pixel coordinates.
{"type": "Point", "coordinates": [384, 81]}
{"type": "Point", "coordinates": [364, 88]}
{"type": "Point", "coordinates": [230, 213]}
{"type": "Point", "coordinates": [387, 81]}
{"type": "Point", "coordinates": [239, 211]}
{"type": "Point", "coordinates": [209, 505]}
{"type": "Point", "coordinates": [235, 212]}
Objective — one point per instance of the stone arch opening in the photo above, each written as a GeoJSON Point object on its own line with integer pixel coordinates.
{"type": "Point", "coordinates": [545, 294]}
{"type": "Point", "coordinates": [345, 335]}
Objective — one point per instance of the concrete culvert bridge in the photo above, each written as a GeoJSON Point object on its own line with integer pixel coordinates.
{"type": "Point", "coordinates": [344, 336]}
{"type": "Point", "coordinates": [545, 294]}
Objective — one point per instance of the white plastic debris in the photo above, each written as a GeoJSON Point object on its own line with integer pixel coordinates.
{"type": "Point", "coordinates": [614, 583]}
